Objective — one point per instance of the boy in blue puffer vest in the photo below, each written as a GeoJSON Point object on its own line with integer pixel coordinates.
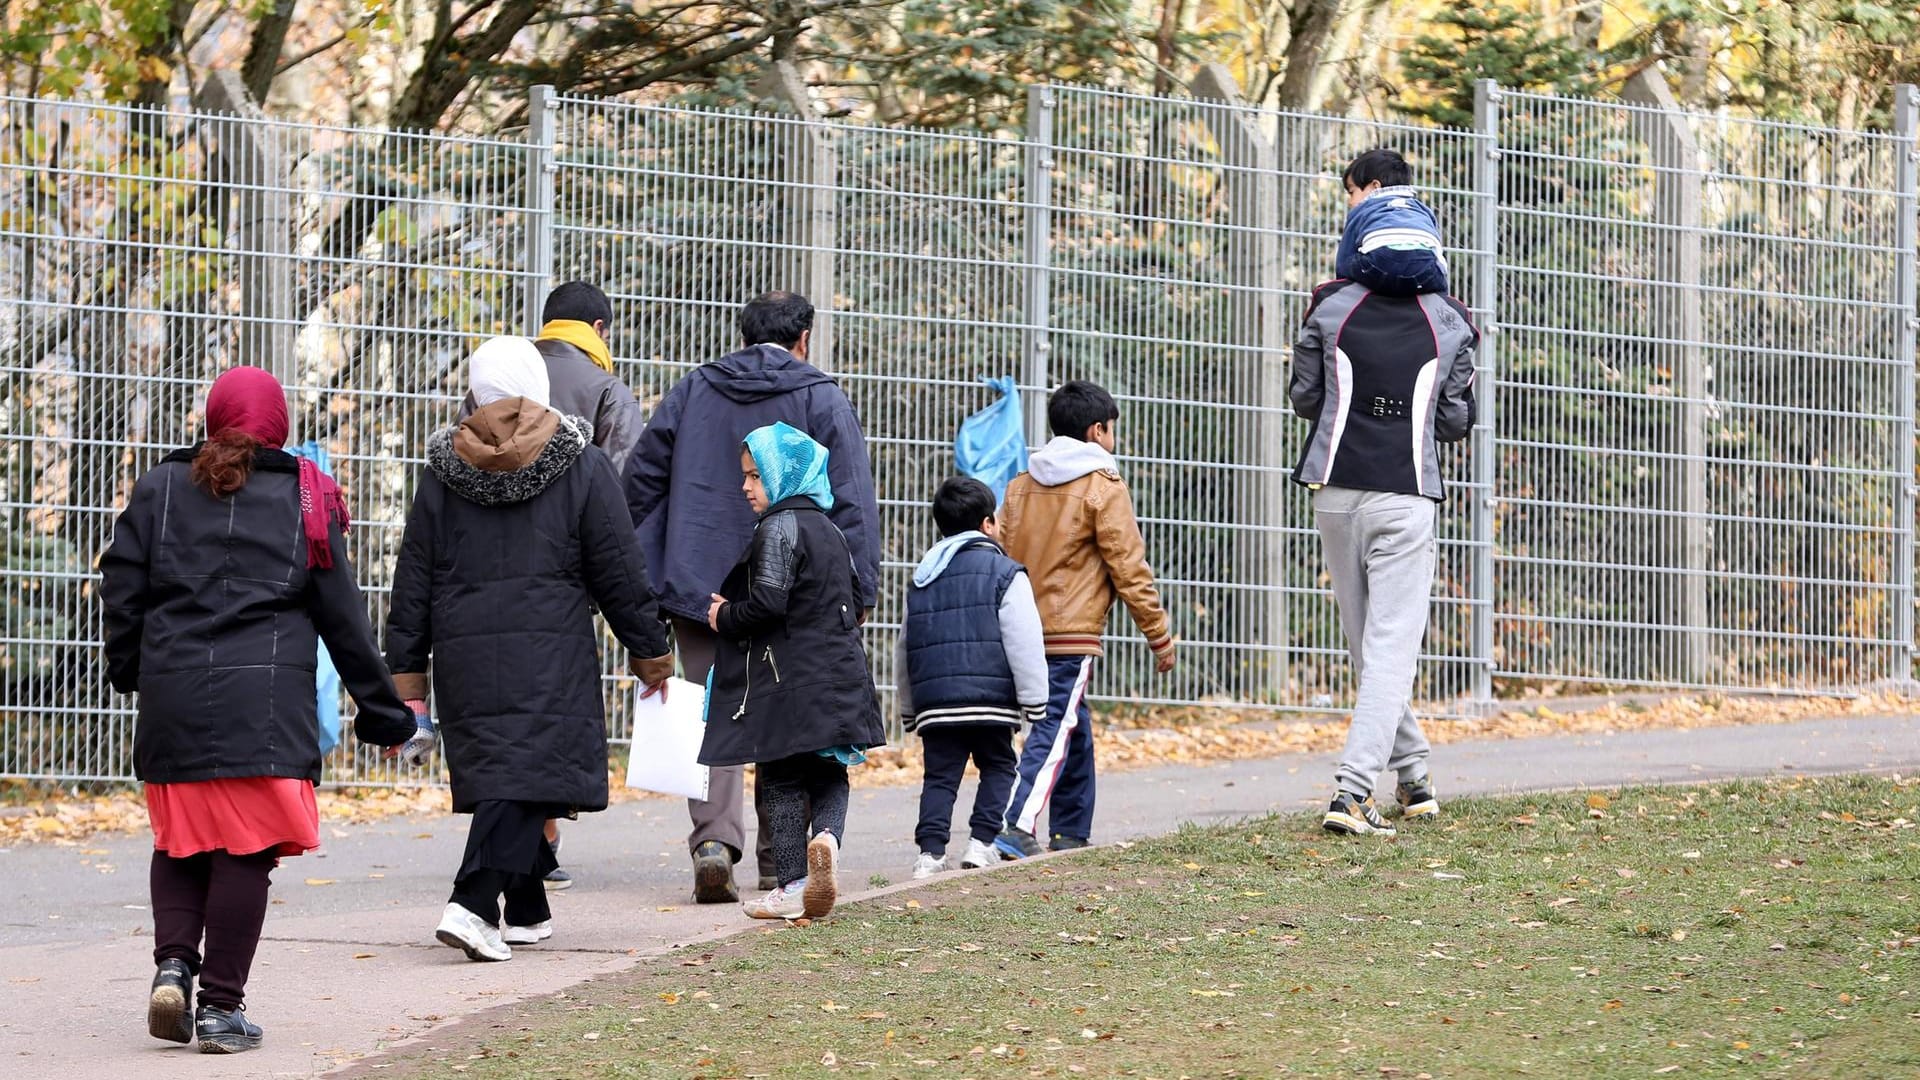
{"type": "Point", "coordinates": [971, 665]}
{"type": "Point", "coordinates": [1391, 242]}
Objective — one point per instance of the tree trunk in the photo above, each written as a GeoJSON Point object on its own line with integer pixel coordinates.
{"type": "Point", "coordinates": [1311, 30]}
{"type": "Point", "coordinates": [1166, 45]}
{"type": "Point", "coordinates": [263, 54]}
{"type": "Point", "coordinates": [450, 62]}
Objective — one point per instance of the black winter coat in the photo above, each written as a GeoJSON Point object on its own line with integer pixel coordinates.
{"type": "Point", "coordinates": [790, 675]}
{"type": "Point", "coordinates": [213, 617]}
{"type": "Point", "coordinates": [496, 582]}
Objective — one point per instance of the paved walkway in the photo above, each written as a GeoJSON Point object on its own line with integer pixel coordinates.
{"type": "Point", "coordinates": [349, 965]}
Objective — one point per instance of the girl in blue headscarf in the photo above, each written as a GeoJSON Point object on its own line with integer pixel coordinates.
{"type": "Point", "coordinates": [794, 695]}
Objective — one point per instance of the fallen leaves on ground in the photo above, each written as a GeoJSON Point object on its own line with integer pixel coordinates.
{"type": "Point", "coordinates": [1129, 738]}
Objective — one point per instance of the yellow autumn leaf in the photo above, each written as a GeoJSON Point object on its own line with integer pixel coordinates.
{"type": "Point", "coordinates": [320, 881]}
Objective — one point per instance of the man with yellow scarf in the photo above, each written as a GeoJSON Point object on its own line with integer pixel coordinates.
{"type": "Point", "coordinates": [581, 382]}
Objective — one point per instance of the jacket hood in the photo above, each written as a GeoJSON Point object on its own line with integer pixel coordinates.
{"type": "Point", "coordinates": [1065, 459]}
{"type": "Point", "coordinates": [935, 561]}
{"type": "Point", "coordinates": [758, 372]}
{"type": "Point", "coordinates": [507, 452]}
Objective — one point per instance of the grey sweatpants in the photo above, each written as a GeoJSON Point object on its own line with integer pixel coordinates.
{"type": "Point", "coordinates": [1381, 554]}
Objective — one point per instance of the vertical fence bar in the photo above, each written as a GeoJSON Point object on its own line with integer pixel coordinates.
{"type": "Point", "coordinates": [542, 113]}
{"type": "Point", "coordinates": [808, 234]}
{"type": "Point", "coordinates": [1250, 173]}
{"type": "Point", "coordinates": [1039, 226]}
{"type": "Point", "coordinates": [1486, 294]}
{"type": "Point", "coordinates": [1679, 178]}
{"type": "Point", "coordinates": [1906, 128]}
{"type": "Point", "coordinates": [253, 167]}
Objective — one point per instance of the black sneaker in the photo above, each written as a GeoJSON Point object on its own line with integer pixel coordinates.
{"type": "Point", "coordinates": [1063, 842]}
{"type": "Point", "coordinates": [1354, 817]}
{"type": "Point", "coordinates": [170, 1003]}
{"type": "Point", "coordinates": [713, 874]}
{"type": "Point", "coordinates": [557, 879]}
{"type": "Point", "coordinates": [223, 1032]}
{"type": "Point", "coordinates": [1417, 799]}
{"type": "Point", "coordinates": [1015, 843]}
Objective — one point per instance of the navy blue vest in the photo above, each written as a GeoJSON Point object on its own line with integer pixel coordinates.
{"type": "Point", "coordinates": [955, 658]}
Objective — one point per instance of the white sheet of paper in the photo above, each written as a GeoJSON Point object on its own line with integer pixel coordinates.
{"type": "Point", "coordinates": [665, 755]}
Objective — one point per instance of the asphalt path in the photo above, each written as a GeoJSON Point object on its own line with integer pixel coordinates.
{"type": "Point", "coordinates": [349, 966]}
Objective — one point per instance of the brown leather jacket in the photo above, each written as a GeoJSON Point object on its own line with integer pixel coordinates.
{"type": "Point", "coordinates": [1082, 547]}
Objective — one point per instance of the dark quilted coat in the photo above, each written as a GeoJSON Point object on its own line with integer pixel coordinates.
{"type": "Point", "coordinates": [496, 585]}
{"type": "Point", "coordinates": [956, 659]}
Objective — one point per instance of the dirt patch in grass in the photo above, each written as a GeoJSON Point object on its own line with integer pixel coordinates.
{"type": "Point", "coordinates": [1748, 928]}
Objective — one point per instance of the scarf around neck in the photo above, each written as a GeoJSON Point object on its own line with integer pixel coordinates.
{"type": "Point", "coordinates": [581, 336]}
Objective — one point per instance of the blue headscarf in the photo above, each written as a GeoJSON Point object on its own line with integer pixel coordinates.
{"type": "Point", "coordinates": [790, 464]}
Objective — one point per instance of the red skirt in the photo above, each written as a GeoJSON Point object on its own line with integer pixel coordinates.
{"type": "Point", "coordinates": [240, 816]}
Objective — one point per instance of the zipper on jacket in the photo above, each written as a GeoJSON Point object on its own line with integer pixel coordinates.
{"type": "Point", "coordinates": [748, 692]}
{"type": "Point", "coordinates": [772, 664]}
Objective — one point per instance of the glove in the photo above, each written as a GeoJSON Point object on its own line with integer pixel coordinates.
{"type": "Point", "coordinates": [651, 671]}
{"type": "Point", "coordinates": [416, 750]}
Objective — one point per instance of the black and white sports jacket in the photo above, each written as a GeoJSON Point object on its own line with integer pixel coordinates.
{"type": "Point", "coordinates": [1384, 379]}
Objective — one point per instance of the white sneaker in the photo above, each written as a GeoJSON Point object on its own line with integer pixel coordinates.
{"type": "Point", "coordinates": [979, 855]}
{"type": "Point", "coordinates": [781, 903]}
{"type": "Point", "coordinates": [823, 881]}
{"type": "Point", "coordinates": [528, 935]}
{"type": "Point", "coordinates": [927, 865]}
{"type": "Point", "coordinates": [471, 934]}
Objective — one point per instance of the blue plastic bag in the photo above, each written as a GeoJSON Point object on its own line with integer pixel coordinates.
{"type": "Point", "coordinates": [991, 445]}
{"type": "Point", "coordinates": [325, 675]}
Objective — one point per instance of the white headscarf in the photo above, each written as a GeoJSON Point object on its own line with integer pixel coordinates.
{"type": "Point", "coordinates": [508, 367]}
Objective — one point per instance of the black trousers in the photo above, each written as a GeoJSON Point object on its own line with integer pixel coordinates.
{"type": "Point", "coordinates": [507, 853]}
{"type": "Point", "coordinates": [221, 898]}
{"type": "Point", "coordinates": [801, 791]}
{"type": "Point", "coordinates": [947, 750]}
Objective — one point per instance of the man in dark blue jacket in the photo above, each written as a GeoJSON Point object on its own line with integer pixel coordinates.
{"type": "Point", "coordinates": [683, 487]}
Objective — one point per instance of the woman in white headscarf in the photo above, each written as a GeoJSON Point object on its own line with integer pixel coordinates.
{"type": "Point", "coordinates": [518, 530]}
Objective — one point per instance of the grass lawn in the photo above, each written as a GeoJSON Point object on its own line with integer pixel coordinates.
{"type": "Point", "coordinates": [1750, 929]}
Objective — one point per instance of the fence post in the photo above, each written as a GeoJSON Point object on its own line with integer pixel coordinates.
{"type": "Point", "coordinates": [253, 166]}
{"type": "Point", "coordinates": [543, 111]}
{"type": "Point", "coordinates": [1678, 182]}
{"type": "Point", "coordinates": [1906, 127]}
{"type": "Point", "coordinates": [811, 228]}
{"type": "Point", "coordinates": [1486, 300]}
{"type": "Point", "coordinates": [1039, 249]}
{"type": "Point", "coordinates": [1251, 177]}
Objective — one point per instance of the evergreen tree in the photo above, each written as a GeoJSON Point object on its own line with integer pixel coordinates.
{"type": "Point", "coordinates": [1501, 42]}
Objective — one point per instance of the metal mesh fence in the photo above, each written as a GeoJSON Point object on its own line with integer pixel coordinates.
{"type": "Point", "coordinates": [143, 252]}
{"type": "Point", "coordinates": [1704, 391]}
{"type": "Point", "coordinates": [1693, 469]}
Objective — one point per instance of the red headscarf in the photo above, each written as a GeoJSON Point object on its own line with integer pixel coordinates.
{"type": "Point", "coordinates": [250, 401]}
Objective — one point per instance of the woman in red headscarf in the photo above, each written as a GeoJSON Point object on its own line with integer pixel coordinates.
{"type": "Point", "coordinates": [227, 569]}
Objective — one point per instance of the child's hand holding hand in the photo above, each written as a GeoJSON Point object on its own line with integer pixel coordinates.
{"type": "Point", "coordinates": [713, 611]}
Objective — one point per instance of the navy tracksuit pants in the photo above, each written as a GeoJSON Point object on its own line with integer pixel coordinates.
{"type": "Point", "coordinates": [1057, 765]}
{"type": "Point", "coordinates": [948, 748]}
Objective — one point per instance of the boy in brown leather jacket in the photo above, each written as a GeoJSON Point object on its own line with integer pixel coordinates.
{"type": "Point", "coordinates": [1069, 520]}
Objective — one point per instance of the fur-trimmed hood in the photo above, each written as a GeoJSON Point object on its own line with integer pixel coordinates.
{"type": "Point", "coordinates": [503, 486]}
